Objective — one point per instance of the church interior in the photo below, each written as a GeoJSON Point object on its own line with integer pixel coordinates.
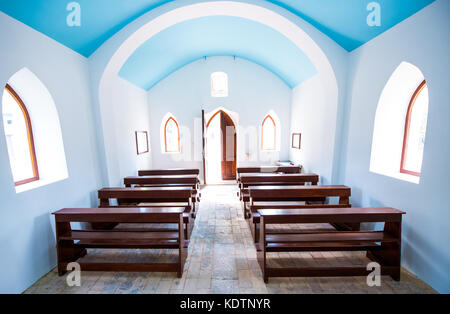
{"type": "Point", "coordinates": [224, 146]}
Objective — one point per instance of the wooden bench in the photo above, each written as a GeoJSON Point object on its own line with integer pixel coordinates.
{"type": "Point", "coordinates": [266, 169]}
{"type": "Point", "coordinates": [292, 197]}
{"type": "Point", "coordinates": [150, 197]}
{"type": "Point", "coordinates": [255, 179]}
{"type": "Point", "coordinates": [190, 180]}
{"type": "Point", "coordinates": [72, 244]}
{"type": "Point", "coordinates": [173, 171]}
{"type": "Point", "coordinates": [383, 247]}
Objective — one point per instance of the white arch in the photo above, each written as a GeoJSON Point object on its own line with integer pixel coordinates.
{"type": "Point", "coordinates": [110, 58]}
{"type": "Point", "coordinates": [233, 115]}
{"type": "Point", "coordinates": [228, 8]}
{"type": "Point", "coordinates": [387, 141]}
{"type": "Point", "coordinates": [47, 134]}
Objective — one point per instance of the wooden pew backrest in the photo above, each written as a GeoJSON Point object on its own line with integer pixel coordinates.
{"type": "Point", "coordinates": [299, 192]}
{"type": "Point", "coordinates": [261, 179]}
{"type": "Point", "coordinates": [173, 171]}
{"type": "Point", "coordinates": [269, 169]}
{"type": "Point", "coordinates": [146, 194]}
{"type": "Point", "coordinates": [161, 179]}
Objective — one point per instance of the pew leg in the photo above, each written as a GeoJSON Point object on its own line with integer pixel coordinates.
{"type": "Point", "coordinates": [61, 270]}
{"type": "Point", "coordinates": [182, 248]}
{"type": "Point", "coordinates": [261, 256]}
{"type": "Point", "coordinates": [188, 227]}
{"type": "Point", "coordinates": [396, 276]}
{"type": "Point", "coordinates": [65, 249]}
{"type": "Point", "coordinates": [261, 253]}
{"type": "Point", "coordinates": [186, 231]}
{"type": "Point", "coordinates": [66, 254]}
{"type": "Point", "coordinates": [390, 253]}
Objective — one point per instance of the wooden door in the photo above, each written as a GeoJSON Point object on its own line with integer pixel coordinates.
{"type": "Point", "coordinates": [228, 147]}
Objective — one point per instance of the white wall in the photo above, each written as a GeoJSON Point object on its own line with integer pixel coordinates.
{"type": "Point", "coordinates": [318, 107]}
{"type": "Point", "coordinates": [27, 239]}
{"type": "Point", "coordinates": [316, 121]}
{"type": "Point", "coordinates": [125, 111]}
{"type": "Point", "coordinates": [253, 92]}
{"type": "Point", "coordinates": [424, 41]}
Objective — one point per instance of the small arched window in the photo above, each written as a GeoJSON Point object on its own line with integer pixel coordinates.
{"type": "Point", "coordinates": [219, 84]}
{"type": "Point", "coordinates": [269, 133]}
{"type": "Point", "coordinates": [19, 138]}
{"type": "Point", "coordinates": [415, 129]}
{"type": "Point", "coordinates": [171, 136]}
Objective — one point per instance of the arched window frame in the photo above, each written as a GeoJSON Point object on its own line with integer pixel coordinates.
{"type": "Point", "coordinates": [31, 147]}
{"type": "Point", "coordinates": [165, 135]}
{"type": "Point", "coordinates": [407, 130]}
{"type": "Point", "coordinates": [274, 135]}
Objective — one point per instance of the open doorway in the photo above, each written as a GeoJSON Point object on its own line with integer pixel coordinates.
{"type": "Point", "coordinates": [220, 147]}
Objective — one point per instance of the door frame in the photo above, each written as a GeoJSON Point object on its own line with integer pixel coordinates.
{"type": "Point", "coordinates": [233, 117]}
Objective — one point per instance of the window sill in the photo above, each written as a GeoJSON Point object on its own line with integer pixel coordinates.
{"type": "Point", "coordinates": [36, 184]}
{"type": "Point", "coordinates": [400, 176]}
{"type": "Point", "coordinates": [171, 153]}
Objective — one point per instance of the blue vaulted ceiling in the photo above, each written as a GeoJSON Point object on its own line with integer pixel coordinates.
{"type": "Point", "coordinates": [188, 41]}
{"type": "Point", "coordinates": [344, 21]}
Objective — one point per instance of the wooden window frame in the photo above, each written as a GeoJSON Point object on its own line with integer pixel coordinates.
{"type": "Point", "coordinates": [407, 130]}
{"type": "Point", "coordinates": [165, 135]}
{"type": "Point", "coordinates": [32, 149]}
{"type": "Point", "coordinates": [275, 134]}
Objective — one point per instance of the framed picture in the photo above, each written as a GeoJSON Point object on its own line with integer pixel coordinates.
{"type": "Point", "coordinates": [142, 142]}
{"type": "Point", "coordinates": [296, 140]}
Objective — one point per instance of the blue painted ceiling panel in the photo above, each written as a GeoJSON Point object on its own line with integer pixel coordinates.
{"type": "Point", "coordinates": [188, 41]}
{"type": "Point", "coordinates": [344, 21]}
{"type": "Point", "coordinates": [100, 19]}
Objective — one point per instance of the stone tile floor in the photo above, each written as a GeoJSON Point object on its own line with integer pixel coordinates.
{"type": "Point", "coordinates": [222, 259]}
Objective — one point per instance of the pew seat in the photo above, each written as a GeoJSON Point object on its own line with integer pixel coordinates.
{"type": "Point", "coordinates": [383, 247]}
{"type": "Point", "coordinates": [72, 244]}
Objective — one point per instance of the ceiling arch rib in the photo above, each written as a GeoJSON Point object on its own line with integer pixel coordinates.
{"type": "Point", "coordinates": [191, 40]}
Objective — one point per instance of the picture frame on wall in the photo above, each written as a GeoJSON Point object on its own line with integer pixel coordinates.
{"type": "Point", "coordinates": [296, 140]}
{"type": "Point", "coordinates": [142, 146]}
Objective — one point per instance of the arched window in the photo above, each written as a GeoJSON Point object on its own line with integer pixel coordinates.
{"type": "Point", "coordinates": [269, 133]}
{"type": "Point", "coordinates": [397, 148]}
{"type": "Point", "coordinates": [171, 136]}
{"type": "Point", "coordinates": [219, 84]}
{"type": "Point", "coordinates": [19, 138]}
{"type": "Point", "coordinates": [415, 129]}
